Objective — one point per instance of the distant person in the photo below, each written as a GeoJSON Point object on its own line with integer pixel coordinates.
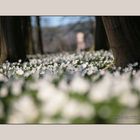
{"type": "Point", "coordinates": [80, 40]}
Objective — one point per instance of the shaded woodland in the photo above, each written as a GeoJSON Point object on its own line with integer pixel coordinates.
{"type": "Point", "coordinates": [121, 34]}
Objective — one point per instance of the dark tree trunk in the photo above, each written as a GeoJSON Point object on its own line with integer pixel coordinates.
{"type": "Point", "coordinates": [12, 38]}
{"type": "Point", "coordinates": [39, 33]}
{"type": "Point", "coordinates": [3, 49]}
{"type": "Point", "coordinates": [101, 40]}
{"type": "Point", "coordinates": [27, 32]}
{"type": "Point", "coordinates": [124, 38]}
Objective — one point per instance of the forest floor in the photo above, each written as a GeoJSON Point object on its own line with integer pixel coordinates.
{"type": "Point", "coordinates": [69, 88]}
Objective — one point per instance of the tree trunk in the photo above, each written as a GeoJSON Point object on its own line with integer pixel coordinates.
{"type": "Point", "coordinates": [3, 49]}
{"type": "Point", "coordinates": [124, 38]}
{"type": "Point", "coordinates": [101, 40]}
{"type": "Point", "coordinates": [39, 33]}
{"type": "Point", "coordinates": [12, 39]}
{"type": "Point", "coordinates": [27, 32]}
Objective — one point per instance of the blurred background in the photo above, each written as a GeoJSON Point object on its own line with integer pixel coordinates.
{"type": "Point", "coordinates": [62, 33]}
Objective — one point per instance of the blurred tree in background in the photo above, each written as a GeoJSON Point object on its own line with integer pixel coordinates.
{"type": "Point", "coordinates": [39, 35]}
{"type": "Point", "coordinates": [63, 37]}
{"type": "Point", "coordinates": [27, 33]}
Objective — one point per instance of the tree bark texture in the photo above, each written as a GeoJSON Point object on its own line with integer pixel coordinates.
{"type": "Point", "coordinates": [124, 38]}
{"type": "Point", "coordinates": [12, 39]}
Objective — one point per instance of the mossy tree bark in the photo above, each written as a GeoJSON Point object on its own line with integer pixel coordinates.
{"type": "Point", "coordinates": [101, 40]}
{"type": "Point", "coordinates": [12, 40]}
{"type": "Point", "coordinates": [124, 38]}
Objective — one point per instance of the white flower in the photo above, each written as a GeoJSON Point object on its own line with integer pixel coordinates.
{"type": "Point", "coordinates": [86, 111]}
{"type": "Point", "coordinates": [46, 90]}
{"type": "Point", "coordinates": [63, 85]}
{"type": "Point", "coordinates": [129, 99]}
{"type": "Point", "coordinates": [17, 87]}
{"type": "Point", "coordinates": [3, 78]}
{"type": "Point", "coordinates": [33, 70]}
{"type": "Point", "coordinates": [74, 109]}
{"type": "Point", "coordinates": [32, 86]}
{"type": "Point", "coordinates": [79, 85]}
{"type": "Point", "coordinates": [90, 72]}
{"type": "Point", "coordinates": [100, 91]}
{"type": "Point", "coordinates": [120, 85]}
{"type": "Point", "coordinates": [25, 110]}
{"type": "Point", "coordinates": [33, 61]}
{"type": "Point", "coordinates": [3, 91]}
{"type": "Point", "coordinates": [71, 109]}
{"type": "Point", "coordinates": [19, 72]}
{"type": "Point", "coordinates": [27, 74]}
{"type": "Point", "coordinates": [137, 83]}
{"type": "Point", "coordinates": [4, 66]}
{"type": "Point", "coordinates": [55, 104]}
{"type": "Point", "coordinates": [84, 65]}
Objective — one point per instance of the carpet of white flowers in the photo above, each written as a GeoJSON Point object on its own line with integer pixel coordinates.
{"type": "Point", "coordinates": [69, 88]}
